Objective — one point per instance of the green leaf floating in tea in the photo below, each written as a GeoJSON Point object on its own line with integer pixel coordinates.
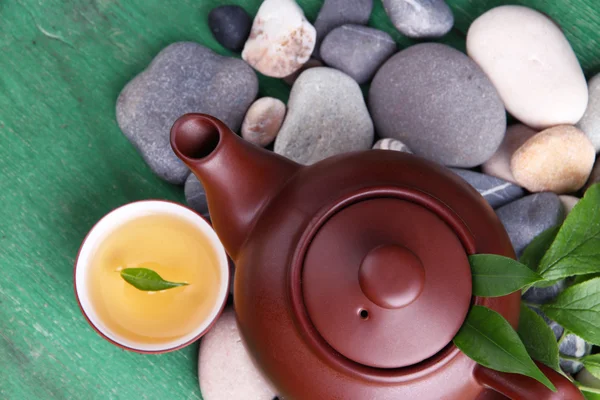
{"type": "Point", "coordinates": [577, 309]}
{"type": "Point", "coordinates": [538, 338]}
{"type": "Point", "coordinates": [148, 280]}
{"type": "Point", "coordinates": [488, 339]}
{"type": "Point", "coordinates": [495, 275]}
{"type": "Point", "coordinates": [576, 248]}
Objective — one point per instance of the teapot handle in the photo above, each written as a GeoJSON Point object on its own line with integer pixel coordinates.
{"type": "Point", "coordinates": [521, 387]}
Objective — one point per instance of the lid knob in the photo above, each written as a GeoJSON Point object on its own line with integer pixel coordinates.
{"type": "Point", "coordinates": [391, 276]}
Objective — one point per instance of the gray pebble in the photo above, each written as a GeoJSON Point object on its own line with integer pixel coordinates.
{"type": "Point", "coordinates": [230, 25]}
{"type": "Point", "coordinates": [440, 103]}
{"type": "Point", "coordinates": [357, 50]}
{"type": "Point", "coordinates": [391, 144]}
{"type": "Point", "coordinates": [195, 196]}
{"type": "Point", "coordinates": [184, 77]}
{"type": "Point", "coordinates": [529, 216]}
{"type": "Point", "coordinates": [326, 116]}
{"type": "Point", "coordinates": [590, 122]}
{"type": "Point", "coordinates": [336, 13]}
{"type": "Point", "coordinates": [497, 192]}
{"type": "Point", "coordinates": [543, 295]}
{"type": "Point", "coordinates": [420, 18]}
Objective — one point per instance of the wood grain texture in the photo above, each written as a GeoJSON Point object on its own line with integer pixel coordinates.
{"type": "Point", "coordinates": [64, 163]}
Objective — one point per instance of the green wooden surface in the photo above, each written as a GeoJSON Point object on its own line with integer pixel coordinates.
{"type": "Point", "coordinates": [64, 164]}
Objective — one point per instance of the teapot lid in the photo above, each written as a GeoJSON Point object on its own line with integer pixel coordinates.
{"type": "Point", "coordinates": [386, 281]}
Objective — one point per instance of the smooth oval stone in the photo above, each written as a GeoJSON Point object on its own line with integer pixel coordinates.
{"type": "Point", "coordinates": [225, 369]}
{"type": "Point", "coordinates": [357, 50]}
{"type": "Point", "coordinates": [391, 144]}
{"type": "Point", "coordinates": [499, 164]}
{"type": "Point", "coordinates": [529, 216]}
{"type": "Point", "coordinates": [230, 25]}
{"type": "Point", "coordinates": [281, 39]}
{"type": "Point", "coordinates": [558, 159]}
{"type": "Point", "coordinates": [543, 295]}
{"type": "Point", "coordinates": [336, 13]}
{"type": "Point", "coordinates": [326, 116]}
{"type": "Point", "coordinates": [532, 65]}
{"type": "Point", "coordinates": [497, 192]}
{"type": "Point", "coordinates": [420, 18]}
{"type": "Point", "coordinates": [184, 77]}
{"type": "Point", "coordinates": [263, 120]}
{"type": "Point", "coordinates": [568, 202]}
{"type": "Point", "coordinates": [573, 346]}
{"type": "Point", "coordinates": [590, 122]}
{"type": "Point", "coordinates": [195, 196]}
{"type": "Point", "coordinates": [440, 103]}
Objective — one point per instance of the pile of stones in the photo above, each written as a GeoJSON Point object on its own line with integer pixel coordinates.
{"type": "Point", "coordinates": [428, 99]}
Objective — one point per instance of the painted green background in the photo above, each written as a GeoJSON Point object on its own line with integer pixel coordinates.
{"type": "Point", "coordinates": [64, 164]}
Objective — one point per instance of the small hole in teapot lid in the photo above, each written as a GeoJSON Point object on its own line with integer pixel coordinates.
{"type": "Point", "coordinates": [364, 314]}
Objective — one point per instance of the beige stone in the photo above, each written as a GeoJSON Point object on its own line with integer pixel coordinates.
{"type": "Point", "coordinates": [281, 39]}
{"type": "Point", "coordinates": [263, 120]}
{"type": "Point", "coordinates": [568, 202]}
{"type": "Point", "coordinates": [499, 164]}
{"type": "Point", "coordinates": [558, 159]}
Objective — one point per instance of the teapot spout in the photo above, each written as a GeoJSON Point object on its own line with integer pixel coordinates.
{"type": "Point", "coordinates": [239, 178]}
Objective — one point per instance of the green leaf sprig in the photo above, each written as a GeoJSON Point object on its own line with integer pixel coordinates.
{"type": "Point", "coordinates": [570, 250]}
{"type": "Point", "coordinates": [148, 280]}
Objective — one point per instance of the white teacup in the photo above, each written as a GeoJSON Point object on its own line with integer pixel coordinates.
{"type": "Point", "coordinates": [104, 228]}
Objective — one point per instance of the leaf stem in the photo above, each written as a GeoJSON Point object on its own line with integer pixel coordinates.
{"type": "Point", "coordinates": [569, 358]}
{"type": "Point", "coordinates": [532, 305]}
{"type": "Point", "coordinates": [587, 388]}
{"type": "Point", "coordinates": [562, 337]}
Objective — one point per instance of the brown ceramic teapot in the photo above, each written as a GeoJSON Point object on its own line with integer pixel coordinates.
{"type": "Point", "coordinates": [352, 274]}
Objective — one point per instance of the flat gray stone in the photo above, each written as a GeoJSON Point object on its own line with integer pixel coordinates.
{"type": "Point", "coordinates": [529, 216]}
{"type": "Point", "coordinates": [326, 116]}
{"type": "Point", "coordinates": [497, 192]}
{"type": "Point", "coordinates": [336, 13]}
{"type": "Point", "coordinates": [357, 50]}
{"type": "Point", "coordinates": [195, 196]}
{"type": "Point", "coordinates": [184, 77]}
{"type": "Point", "coordinates": [439, 103]}
{"type": "Point", "coordinates": [420, 18]}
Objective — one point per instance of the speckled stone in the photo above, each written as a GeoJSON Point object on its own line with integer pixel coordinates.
{"type": "Point", "coordinates": [532, 65]}
{"type": "Point", "coordinates": [529, 216]}
{"type": "Point", "coordinates": [440, 103]}
{"type": "Point", "coordinates": [391, 144]}
{"type": "Point", "coordinates": [497, 192]}
{"type": "Point", "coordinates": [558, 159]}
{"type": "Point", "coordinates": [573, 346]}
{"type": "Point", "coordinates": [195, 196]}
{"type": "Point", "coordinates": [420, 18]}
{"type": "Point", "coordinates": [184, 77]}
{"type": "Point", "coordinates": [225, 369]}
{"type": "Point", "coordinates": [357, 50]}
{"type": "Point", "coordinates": [336, 13]}
{"type": "Point", "coordinates": [326, 116]}
{"type": "Point", "coordinates": [499, 164]}
{"type": "Point", "coordinates": [568, 202]}
{"type": "Point", "coordinates": [281, 39]}
{"type": "Point", "coordinates": [230, 25]}
{"type": "Point", "coordinates": [263, 120]}
{"type": "Point", "coordinates": [590, 122]}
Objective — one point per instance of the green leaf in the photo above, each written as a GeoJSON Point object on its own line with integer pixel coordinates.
{"type": "Point", "coordinates": [533, 253]}
{"type": "Point", "coordinates": [488, 339]}
{"type": "Point", "coordinates": [495, 275]}
{"type": "Point", "coordinates": [538, 338]}
{"type": "Point", "coordinates": [576, 249]}
{"type": "Point", "coordinates": [148, 280]}
{"type": "Point", "coordinates": [592, 364]}
{"type": "Point", "coordinates": [590, 395]}
{"type": "Point", "coordinates": [577, 309]}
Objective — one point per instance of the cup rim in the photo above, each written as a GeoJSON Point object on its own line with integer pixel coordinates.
{"type": "Point", "coordinates": [226, 282]}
